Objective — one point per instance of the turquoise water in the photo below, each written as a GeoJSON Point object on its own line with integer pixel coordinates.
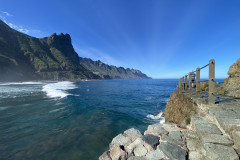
{"type": "Point", "coordinates": [75, 120]}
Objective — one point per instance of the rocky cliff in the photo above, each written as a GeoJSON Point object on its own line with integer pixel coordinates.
{"type": "Point", "coordinates": [23, 57]}
{"type": "Point", "coordinates": [111, 72]}
{"type": "Point", "coordinates": [231, 86]}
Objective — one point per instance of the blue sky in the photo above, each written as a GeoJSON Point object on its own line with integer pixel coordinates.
{"type": "Point", "coordinates": [162, 38]}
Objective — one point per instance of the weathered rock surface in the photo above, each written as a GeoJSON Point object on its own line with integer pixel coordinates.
{"type": "Point", "coordinates": [179, 109]}
{"type": "Point", "coordinates": [216, 151]}
{"type": "Point", "coordinates": [173, 151]}
{"type": "Point", "coordinates": [231, 86]}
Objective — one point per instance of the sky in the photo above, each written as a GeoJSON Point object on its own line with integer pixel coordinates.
{"type": "Point", "coordinates": [162, 38]}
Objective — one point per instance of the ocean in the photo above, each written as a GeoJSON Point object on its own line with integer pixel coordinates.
{"type": "Point", "coordinates": [75, 120]}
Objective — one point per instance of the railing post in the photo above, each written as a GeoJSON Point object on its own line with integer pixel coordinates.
{"type": "Point", "coordinates": [190, 83]}
{"type": "Point", "coordinates": [198, 82]}
{"type": "Point", "coordinates": [211, 86]}
{"type": "Point", "coordinates": [185, 82]}
{"type": "Point", "coordinates": [182, 83]}
{"type": "Point", "coordinates": [179, 86]}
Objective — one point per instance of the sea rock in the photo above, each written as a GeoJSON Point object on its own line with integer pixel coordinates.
{"type": "Point", "coordinates": [132, 133]}
{"type": "Point", "coordinates": [105, 156]}
{"type": "Point", "coordinates": [120, 140]}
{"type": "Point", "coordinates": [173, 151]}
{"type": "Point", "coordinates": [116, 153]}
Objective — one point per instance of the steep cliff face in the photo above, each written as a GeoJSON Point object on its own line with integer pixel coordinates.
{"type": "Point", "coordinates": [110, 71]}
{"type": "Point", "coordinates": [23, 57]}
{"type": "Point", "coordinates": [231, 86]}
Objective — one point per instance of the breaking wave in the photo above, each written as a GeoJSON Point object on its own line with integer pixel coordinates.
{"type": "Point", "coordinates": [157, 117]}
{"type": "Point", "coordinates": [59, 89]}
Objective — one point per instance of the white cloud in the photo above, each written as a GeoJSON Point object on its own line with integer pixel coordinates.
{"type": "Point", "coordinates": [96, 54]}
{"type": "Point", "coordinates": [7, 14]}
{"type": "Point", "coordinates": [18, 28]}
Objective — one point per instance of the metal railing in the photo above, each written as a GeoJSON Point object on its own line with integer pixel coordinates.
{"type": "Point", "coordinates": [182, 85]}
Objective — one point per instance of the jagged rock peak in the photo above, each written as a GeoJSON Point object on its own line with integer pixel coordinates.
{"type": "Point", "coordinates": [66, 38]}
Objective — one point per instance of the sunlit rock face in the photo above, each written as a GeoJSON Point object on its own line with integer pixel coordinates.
{"type": "Point", "coordinates": [231, 86]}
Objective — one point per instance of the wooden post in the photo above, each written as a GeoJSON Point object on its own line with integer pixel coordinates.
{"type": "Point", "coordinates": [185, 82]}
{"type": "Point", "coordinates": [190, 83]}
{"type": "Point", "coordinates": [182, 83]}
{"type": "Point", "coordinates": [179, 85]}
{"type": "Point", "coordinates": [198, 82]}
{"type": "Point", "coordinates": [211, 85]}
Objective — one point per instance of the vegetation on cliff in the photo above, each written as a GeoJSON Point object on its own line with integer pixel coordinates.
{"type": "Point", "coordinates": [23, 57]}
{"type": "Point", "coordinates": [109, 71]}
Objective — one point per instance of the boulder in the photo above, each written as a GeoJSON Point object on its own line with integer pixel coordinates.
{"type": "Point", "coordinates": [173, 151]}
{"type": "Point", "coordinates": [116, 153]}
{"type": "Point", "coordinates": [120, 140]}
{"type": "Point", "coordinates": [132, 133]}
{"type": "Point", "coordinates": [105, 156]}
{"type": "Point", "coordinates": [133, 145]}
{"type": "Point", "coordinates": [140, 150]}
{"type": "Point", "coordinates": [156, 129]}
{"type": "Point", "coordinates": [150, 141]}
{"type": "Point", "coordinates": [155, 155]}
{"type": "Point", "coordinates": [173, 137]}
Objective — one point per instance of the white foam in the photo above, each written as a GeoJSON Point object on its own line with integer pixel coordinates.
{"type": "Point", "coordinates": [156, 117]}
{"type": "Point", "coordinates": [19, 83]}
{"type": "Point", "coordinates": [162, 120]}
{"type": "Point", "coordinates": [59, 89]}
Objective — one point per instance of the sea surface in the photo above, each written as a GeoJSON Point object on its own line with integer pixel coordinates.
{"type": "Point", "coordinates": [75, 120]}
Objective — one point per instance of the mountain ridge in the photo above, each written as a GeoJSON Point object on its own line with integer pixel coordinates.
{"type": "Point", "coordinates": [23, 57]}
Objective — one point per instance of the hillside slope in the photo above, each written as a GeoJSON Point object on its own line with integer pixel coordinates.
{"type": "Point", "coordinates": [111, 72]}
{"type": "Point", "coordinates": [23, 57]}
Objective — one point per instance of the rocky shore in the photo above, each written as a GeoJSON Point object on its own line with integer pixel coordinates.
{"type": "Point", "coordinates": [193, 129]}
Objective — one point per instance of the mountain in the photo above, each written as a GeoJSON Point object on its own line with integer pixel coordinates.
{"type": "Point", "coordinates": [23, 57]}
{"type": "Point", "coordinates": [111, 72]}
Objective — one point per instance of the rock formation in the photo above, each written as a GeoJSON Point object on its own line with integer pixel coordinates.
{"type": "Point", "coordinates": [231, 86]}
{"type": "Point", "coordinates": [23, 57]}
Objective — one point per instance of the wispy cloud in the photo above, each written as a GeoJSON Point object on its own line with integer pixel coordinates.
{"type": "Point", "coordinates": [18, 28]}
{"type": "Point", "coordinates": [6, 14]}
{"type": "Point", "coordinates": [96, 54]}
